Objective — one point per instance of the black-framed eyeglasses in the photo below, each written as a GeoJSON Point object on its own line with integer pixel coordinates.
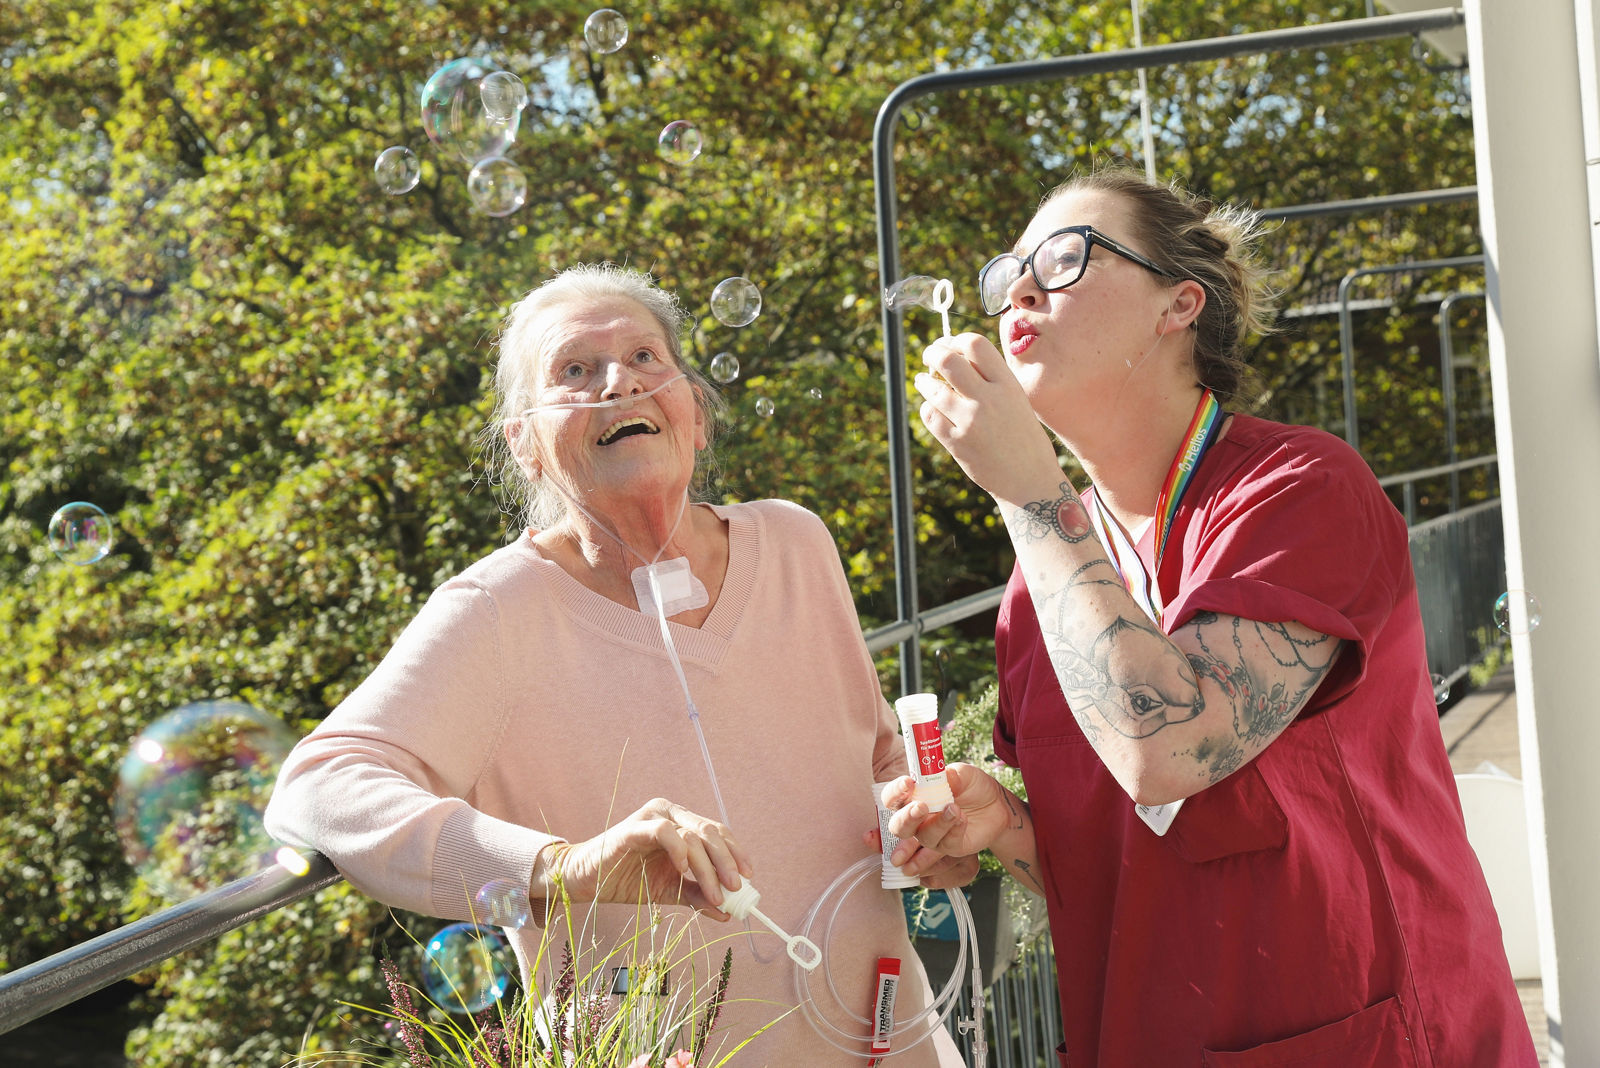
{"type": "Point", "coordinates": [1057, 262]}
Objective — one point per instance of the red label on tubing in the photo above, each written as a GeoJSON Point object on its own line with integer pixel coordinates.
{"type": "Point", "coordinates": [929, 745]}
{"type": "Point", "coordinates": [883, 1007]}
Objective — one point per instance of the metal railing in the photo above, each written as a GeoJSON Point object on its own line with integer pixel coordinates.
{"type": "Point", "coordinates": [1407, 481]}
{"type": "Point", "coordinates": [1460, 565]}
{"type": "Point", "coordinates": [35, 989]}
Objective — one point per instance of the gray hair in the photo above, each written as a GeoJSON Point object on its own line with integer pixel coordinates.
{"type": "Point", "coordinates": [539, 502]}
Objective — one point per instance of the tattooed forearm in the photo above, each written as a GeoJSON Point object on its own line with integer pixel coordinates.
{"type": "Point", "coordinates": [1265, 679]}
{"type": "Point", "coordinates": [1065, 518]}
{"type": "Point", "coordinates": [1129, 675]}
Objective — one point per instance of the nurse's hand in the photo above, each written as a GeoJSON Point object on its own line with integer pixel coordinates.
{"type": "Point", "coordinates": [977, 409]}
{"type": "Point", "coordinates": [947, 873]}
{"type": "Point", "coordinates": [971, 823]}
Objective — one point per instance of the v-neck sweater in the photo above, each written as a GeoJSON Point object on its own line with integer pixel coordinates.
{"type": "Point", "coordinates": [519, 707]}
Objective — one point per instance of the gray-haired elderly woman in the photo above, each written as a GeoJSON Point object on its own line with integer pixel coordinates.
{"type": "Point", "coordinates": [563, 714]}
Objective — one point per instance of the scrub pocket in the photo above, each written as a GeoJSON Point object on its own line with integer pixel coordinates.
{"type": "Point", "coordinates": [1375, 1037]}
{"type": "Point", "coordinates": [1237, 815]}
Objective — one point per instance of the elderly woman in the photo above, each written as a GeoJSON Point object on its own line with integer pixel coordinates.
{"type": "Point", "coordinates": [529, 726]}
{"type": "Point", "coordinates": [1212, 675]}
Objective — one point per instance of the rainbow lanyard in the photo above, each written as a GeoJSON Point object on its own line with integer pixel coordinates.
{"type": "Point", "coordinates": [1144, 587]}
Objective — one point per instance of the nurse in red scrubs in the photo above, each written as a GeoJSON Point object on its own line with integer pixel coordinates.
{"type": "Point", "coordinates": [1212, 675]}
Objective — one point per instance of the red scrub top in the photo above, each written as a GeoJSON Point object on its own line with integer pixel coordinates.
{"type": "Point", "coordinates": [1321, 906]}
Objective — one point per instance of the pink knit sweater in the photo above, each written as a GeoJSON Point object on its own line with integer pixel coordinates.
{"type": "Point", "coordinates": [519, 705]}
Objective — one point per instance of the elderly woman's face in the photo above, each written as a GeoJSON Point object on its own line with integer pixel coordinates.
{"type": "Point", "coordinates": [598, 352]}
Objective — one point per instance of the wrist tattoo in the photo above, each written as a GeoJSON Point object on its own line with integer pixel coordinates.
{"type": "Point", "coordinates": [1016, 813]}
{"type": "Point", "coordinates": [1064, 518]}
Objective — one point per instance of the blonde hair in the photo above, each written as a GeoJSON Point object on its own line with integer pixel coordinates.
{"type": "Point", "coordinates": [535, 500]}
{"type": "Point", "coordinates": [1213, 244]}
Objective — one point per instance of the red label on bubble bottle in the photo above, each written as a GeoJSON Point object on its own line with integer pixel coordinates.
{"type": "Point", "coordinates": [929, 746]}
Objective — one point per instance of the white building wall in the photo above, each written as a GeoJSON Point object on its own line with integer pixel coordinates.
{"type": "Point", "coordinates": [1545, 361]}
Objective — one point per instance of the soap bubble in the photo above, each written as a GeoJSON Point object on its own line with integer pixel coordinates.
{"type": "Point", "coordinates": [724, 367]}
{"type": "Point", "coordinates": [1441, 689]}
{"type": "Point", "coordinates": [503, 95]}
{"type": "Point", "coordinates": [913, 291]}
{"type": "Point", "coordinates": [191, 791]}
{"type": "Point", "coordinates": [736, 302]}
{"type": "Point", "coordinates": [1517, 612]}
{"type": "Point", "coordinates": [605, 30]}
{"type": "Point", "coordinates": [397, 170]}
{"type": "Point", "coordinates": [503, 903]}
{"type": "Point", "coordinates": [497, 186]}
{"type": "Point", "coordinates": [814, 393]}
{"type": "Point", "coordinates": [464, 968]}
{"type": "Point", "coordinates": [454, 115]}
{"type": "Point", "coordinates": [765, 407]}
{"type": "Point", "coordinates": [81, 533]}
{"type": "Point", "coordinates": [680, 142]}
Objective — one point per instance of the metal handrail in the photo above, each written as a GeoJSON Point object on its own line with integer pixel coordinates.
{"type": "Point", "coordinates": [1378, 203]}
{"type": "Point", "coordinates": [1434, 472]}
{"type": "Point", "coordinates": [46, 985]}
{"type": "Point", "coordinates": [1409, 479]}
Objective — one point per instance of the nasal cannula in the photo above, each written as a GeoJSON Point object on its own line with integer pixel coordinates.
{"type": "Point", "coordinates": [742, 903]}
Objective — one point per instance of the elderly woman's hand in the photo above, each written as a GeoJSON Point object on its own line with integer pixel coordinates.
{"type": "Point", "coordinates": [663, 853]}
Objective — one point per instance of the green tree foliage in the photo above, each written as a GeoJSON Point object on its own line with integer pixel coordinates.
{"type": "Point", "coordinates": [272, 375]}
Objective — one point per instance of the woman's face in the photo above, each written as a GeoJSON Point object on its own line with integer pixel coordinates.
{"type": "Point", "coordinates": [613, 349]}
{"type": "Point", "coordinates": [1078, 345]}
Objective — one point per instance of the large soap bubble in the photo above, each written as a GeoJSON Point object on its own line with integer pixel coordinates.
{"type": "Point", "coordinates": [497, 186]}
{"type": "Point", "coordinates": [606, 30]}
{"type": "Point", "coordinates": [724, 367]}
{"type": "Point", "coordinates": [191, 792]}
{"type": "Point", "coordinates": [454, 112]}
{"type": "Point", "coordinates": [736, 301]}
{"type": "Point", "coordinates": [1518, 612]}
{"type": "Point", "coordinates": [464, 968]}
{"type": "Point", "coordinates": [397, 170]}
{"type": "Point", "coordinates": [81, 533]}
{"type": "Point", "coordinates": [503, 95]}
{"type": "Point", "coordinates": [912, 291]}
{"type": "Point", "coordinates": [680, 142]}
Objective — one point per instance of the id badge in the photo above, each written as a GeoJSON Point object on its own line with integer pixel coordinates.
{"type": "Point", "coordinates": [1159, 817]}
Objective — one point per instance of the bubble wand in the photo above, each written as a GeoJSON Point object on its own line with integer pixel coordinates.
{"type": "Point", "coordinates": [944, 294]}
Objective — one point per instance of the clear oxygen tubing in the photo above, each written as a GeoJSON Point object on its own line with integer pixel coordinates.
{"type": "Point", "coordinates": [945, 1002]}
{"type": "Point", "coordinates": [920, 1027]}
{"type": "Point", "coordinates": [650, 568]}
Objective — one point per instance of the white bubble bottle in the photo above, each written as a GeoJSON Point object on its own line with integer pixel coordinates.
{"type": "Point", "coordinates": [919, 725]}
